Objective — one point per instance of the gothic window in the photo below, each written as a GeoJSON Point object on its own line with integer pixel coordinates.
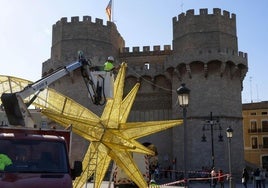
{"type": "Point", "coordinates": [146, 65]}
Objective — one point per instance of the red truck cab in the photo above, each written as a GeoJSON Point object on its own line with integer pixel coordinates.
{"type": "Point", "coordinates": [39, 158]}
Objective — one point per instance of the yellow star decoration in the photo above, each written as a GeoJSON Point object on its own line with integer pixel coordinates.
{"type": "Point", "coordinates": [110, 136]}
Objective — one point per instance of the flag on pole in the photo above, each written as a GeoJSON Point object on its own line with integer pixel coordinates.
{"type": "Point", "coordinates": [109, 10]}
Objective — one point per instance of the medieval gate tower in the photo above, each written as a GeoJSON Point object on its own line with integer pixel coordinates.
{"type": "Point", "coordinates": [204, 56]}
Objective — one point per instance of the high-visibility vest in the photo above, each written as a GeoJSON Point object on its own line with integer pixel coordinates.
{"type": "Point", "coordinates": [153, 185]}
{"type": "Point", "coordinates": [4, 161]}
{"type": "Point", "coordinates": [108, 66]}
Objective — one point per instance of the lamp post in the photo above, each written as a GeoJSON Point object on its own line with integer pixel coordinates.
{"type": "Point", "coordinates": [209, 126]}
{"type": "Point", "coordinates": [183, 98]}
{"type": "Point", "coordinates": [229, 134]}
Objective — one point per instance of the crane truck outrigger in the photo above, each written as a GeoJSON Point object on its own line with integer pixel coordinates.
{"type": "Point", "coordinates": [40, 158]}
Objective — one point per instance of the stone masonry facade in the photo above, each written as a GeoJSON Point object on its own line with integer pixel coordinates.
{"type": "Point", "coordinates": [204, 55]}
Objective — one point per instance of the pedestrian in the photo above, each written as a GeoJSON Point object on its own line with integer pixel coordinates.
{"type": "Point", "coordinates": [257, 178]}
{"type": "Point", "coordinates": [213, 175]}
{"type": "Point", "coordinates": [263, 177]}
{"type": "Point", "coordinates": [245, 177]}
{"type": "Point", "coordinates": [221, 178]}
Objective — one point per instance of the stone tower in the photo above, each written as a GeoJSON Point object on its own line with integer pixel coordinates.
{"type": "Point", "coordinates": [205, 57]}
{"type": "Point", "coordinates": [97, 41]}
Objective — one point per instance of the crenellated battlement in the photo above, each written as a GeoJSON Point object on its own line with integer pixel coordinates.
{"type": "Point", "coordinates": [192, 32]}
{"type": "Point", "coordinates": [84, 29]}
{"type": "Point", "coordinates": [85, 20]}
{"type": "Point", "coordinates": [83, 35]}
{"type": "Point", "coordinates": [204, 12]}
{"type": "Point", "coordinates": [190, 23]}
{"type": "Point", "coordinates": [146, 49]}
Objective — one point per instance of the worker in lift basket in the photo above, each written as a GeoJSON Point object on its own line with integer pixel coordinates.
{"type": "Point", "coordinates": [153, 184]}
{"type": "Point", "coordinates": [109, 64]}
{"type": "Point", "coordinates": [4, 161]}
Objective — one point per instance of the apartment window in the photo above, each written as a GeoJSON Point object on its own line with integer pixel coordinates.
{"type": "Point", "coordinates": [253, 126]}
{"type": "Point", "coordinates": [253, 114]}
{"type": "Point", "coordinates": [264, 125]}
{"type": "Point", "coordinates": [264, 113]}
{"type": "Point", "coordinates": [265, 162]}
{"type": "Point", "coordinates": [254, 142]}
{"type": "Point", "coordinates": [265, 142]}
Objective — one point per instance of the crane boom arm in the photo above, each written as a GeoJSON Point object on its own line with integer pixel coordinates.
{"type": "Point", "coordinates": [17, 110]}
{"type": "Point", "coordinates": [46, 81]}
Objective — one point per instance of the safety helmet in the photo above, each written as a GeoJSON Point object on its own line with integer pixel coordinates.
{"type": "Point", "coordinates": [152, 181]}
{"type": "Point", "coordinates": [110, 58]}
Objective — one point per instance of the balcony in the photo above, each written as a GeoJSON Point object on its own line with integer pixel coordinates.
{"type": "Point", "coordinates": [265, 146]}
{"type": "Point", "coordinates": [261, 130]}
{"type": "Point", "coordinates": [260, 147]}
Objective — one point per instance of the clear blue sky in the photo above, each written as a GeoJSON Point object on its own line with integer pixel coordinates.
{"type": "Point", "coordinates": [26, 28]}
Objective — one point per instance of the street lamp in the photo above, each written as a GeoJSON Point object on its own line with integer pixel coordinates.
{"type": "Point", "coordinates": [183, 98]}
{"type": "Point", "coordinates": [209, 126]}
{"type": "Point", "coordinates": [229, 134]}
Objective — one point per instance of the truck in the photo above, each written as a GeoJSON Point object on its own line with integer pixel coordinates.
{"type": "Point", "coordinates": [40, 157]}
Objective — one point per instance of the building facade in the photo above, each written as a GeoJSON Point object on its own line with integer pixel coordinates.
{"type": "Point", "coordinates": [255, 122]}
{"type": "Point", "coordinates": [204, 55]}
